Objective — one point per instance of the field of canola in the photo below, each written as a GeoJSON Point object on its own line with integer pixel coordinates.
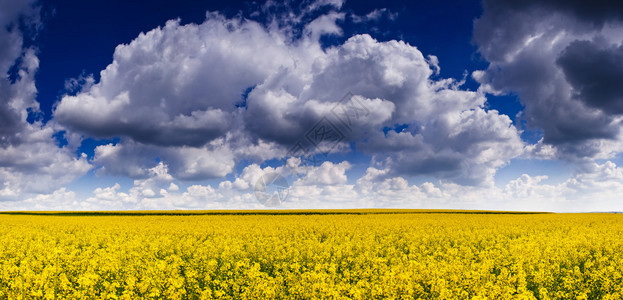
{"type": "Point", "coordinates": [310, 256]}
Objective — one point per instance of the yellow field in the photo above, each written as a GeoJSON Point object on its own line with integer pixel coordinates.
{"type": "Point", "coordinates": [360, 255]}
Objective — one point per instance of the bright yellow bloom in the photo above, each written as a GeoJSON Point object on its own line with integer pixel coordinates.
{"type": "Point", "coordinates": [365, 254]}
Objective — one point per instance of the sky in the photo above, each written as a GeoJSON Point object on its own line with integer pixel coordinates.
{"type": "Point", "coordinates": [498, 105]}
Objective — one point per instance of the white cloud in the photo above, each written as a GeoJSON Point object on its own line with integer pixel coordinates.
{"type": "Point", "coordinates": [327, 173]}
{"type": "Point", "coordinates": [324, 25]}
{"type": "Point", "coordinates": [596, 189]}
{"type": "Point", "coordinates": [322, 3]}
{"type": "Point", "coordinates": [60, 199]}
{"type": "Point", "coordinates": [177, 85]}
{"type": "Point", "coordinates": [392, 80]}
{"type": "Point", "coordinates": [374, 15]}
{"type": "Point", "coordinates": [174, 94]}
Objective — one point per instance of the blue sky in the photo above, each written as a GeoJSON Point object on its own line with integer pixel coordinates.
{"type": "Point", "coordinates": [415, 104]}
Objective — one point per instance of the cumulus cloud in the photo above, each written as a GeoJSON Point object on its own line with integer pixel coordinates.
{"type": "Point", "coordinates": [391, 83]}
{"type": "Point", "coordinates": [135, 160]}
{"type": "Point", "coordinates": [204, 97]}
{"type": "Point", "coordinates": [37, 165]}
{"type": "Point", "coordinates": [463, 147]}
{"type": "Point", "coordinates": [61, 199]}
{"type": "Point", "coordinates": [327, 174]}
{"type": "Point", "coordinates": [597, 188]}
{"type": "Point", "coordinates": [176, 85]}
{"type": "Point", "coordinates": [563, 60]}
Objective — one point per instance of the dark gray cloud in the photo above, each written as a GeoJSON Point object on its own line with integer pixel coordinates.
{"type": "Point", "coordinates": [10, 51]}
{"type": "Point", "coordinates": [595, 12]}
{"type": "Point", "coordinates": [195, 129]}
{"type": "Point", "coordinates": [562, 59]}
{"type": "Point", "coordinates": [596, 74]}
{"type": "Point", "coordinates": [10, 120]}
{"type": "Point", "coordinates": [465, 148]}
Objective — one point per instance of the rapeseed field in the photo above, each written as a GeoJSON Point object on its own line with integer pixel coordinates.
{"type": "Point", "coordinates": [315, 255]}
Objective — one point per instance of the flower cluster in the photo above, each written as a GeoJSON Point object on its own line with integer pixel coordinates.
{"type": "Point", "coordinates": [327, 256]}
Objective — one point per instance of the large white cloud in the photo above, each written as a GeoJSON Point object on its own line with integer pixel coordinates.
{"type": "Point", "coordinates": [204, 97]}
{"type": "Point", "coordinates": [177, 85]}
